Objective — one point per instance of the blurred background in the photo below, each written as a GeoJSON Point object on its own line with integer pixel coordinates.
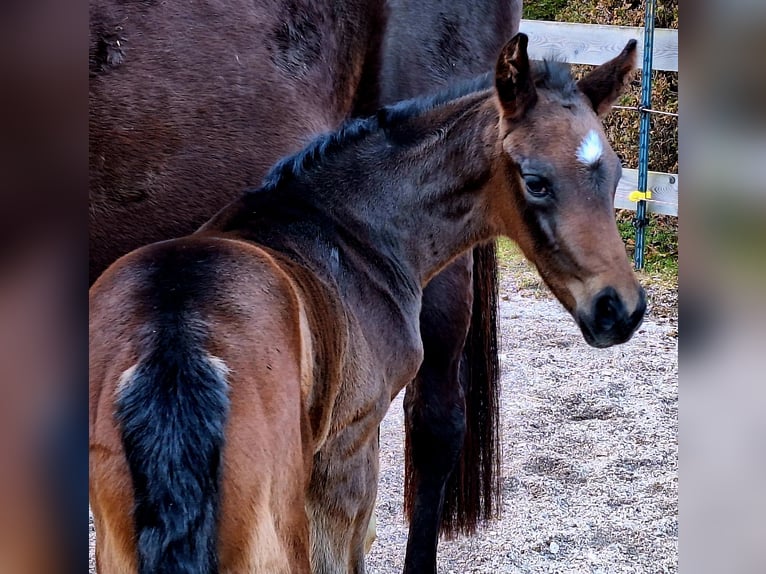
{"type": "Point", "coordinates": [723, 311]}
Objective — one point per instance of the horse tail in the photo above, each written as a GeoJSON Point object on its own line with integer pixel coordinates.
{"type": "Point", "coordinates": [171, 410]}
{"type": "Point", "coordinates": [473, 491]}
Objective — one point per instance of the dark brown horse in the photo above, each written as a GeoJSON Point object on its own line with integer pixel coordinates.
{"type": "Point", "coordinates": [238, 375]}
{"type": "Point", "coordinates": [188, 105]}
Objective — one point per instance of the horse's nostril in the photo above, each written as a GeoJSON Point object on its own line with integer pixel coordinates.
{"type": "Point", "coordinates": [608, 309]}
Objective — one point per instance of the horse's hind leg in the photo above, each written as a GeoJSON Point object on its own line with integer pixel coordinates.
{"type": "Point", "coordinates": [434, 408]}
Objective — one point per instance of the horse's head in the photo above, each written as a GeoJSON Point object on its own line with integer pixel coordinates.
{"type": "Point", "coordinates": [561, 173]}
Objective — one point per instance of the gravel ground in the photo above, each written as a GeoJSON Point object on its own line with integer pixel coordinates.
{"type": "Point", "coordinates": [590, 474]}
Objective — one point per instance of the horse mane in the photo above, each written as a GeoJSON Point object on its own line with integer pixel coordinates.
{"type": "Point", "coordinates": [554, 75]}
{"type": "Point", "coordinates": [293, 165]}
{"type": "Point", "coordinates": [355, 129]}
{"type": "Point", "coordinates": [396, 113]}
{"type": "Point", "coordinates": [548, 74]}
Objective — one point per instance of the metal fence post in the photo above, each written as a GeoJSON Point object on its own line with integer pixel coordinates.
{"type": "Point", "coordinates": [643, 138]}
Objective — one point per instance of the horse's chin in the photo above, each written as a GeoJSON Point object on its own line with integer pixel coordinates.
{"type": "Point", "coordinates": [601, 340]}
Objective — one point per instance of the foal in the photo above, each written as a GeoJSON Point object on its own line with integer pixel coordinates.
{"type": "Point", "coordinates": [238, 375]}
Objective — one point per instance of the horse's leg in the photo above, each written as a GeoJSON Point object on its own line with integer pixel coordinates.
{"type": "Point", "coordinates": [341, 499]}
{"type": "Point", "coordinates": [434, 407]}
{"type": "Point", "coordinates": [372, 533]}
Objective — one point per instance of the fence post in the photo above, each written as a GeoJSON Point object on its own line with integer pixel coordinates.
{"type": "Point", "coordinates": [643, 137]}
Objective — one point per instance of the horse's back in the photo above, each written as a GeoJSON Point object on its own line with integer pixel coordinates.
{"type": "Point", "coordinates": [235, 303]}
{"type": "Point", "coordinates": [189, 104]}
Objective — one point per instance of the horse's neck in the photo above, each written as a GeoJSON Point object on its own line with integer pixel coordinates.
{"type": "Point", "coordinates": [379, 218]}
{"type": "Point", "coordinates": [398, 225]}
{"type": "Point", "coordinates": [424, 206]}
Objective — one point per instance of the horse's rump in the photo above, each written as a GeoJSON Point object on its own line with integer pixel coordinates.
{"type": "Point", "coordinates": [195, 362]}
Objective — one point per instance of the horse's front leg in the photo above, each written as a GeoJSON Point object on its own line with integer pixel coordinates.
{"type": "Point", "coordinates": [434, 408]}
{"type": "Point", "coordinates": [341, 499]}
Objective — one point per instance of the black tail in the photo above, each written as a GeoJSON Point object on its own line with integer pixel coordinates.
{"type": "Point", "coordinates": [172, 410]}
{"type": "Point", "coordinates": [473, 490]}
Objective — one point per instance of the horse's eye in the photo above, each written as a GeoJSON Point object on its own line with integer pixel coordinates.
{"type": "Point", "coordinates": [537, 187]}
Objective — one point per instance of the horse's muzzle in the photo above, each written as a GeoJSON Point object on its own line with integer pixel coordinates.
{"type": "Point", "coordinates": [609, 322]}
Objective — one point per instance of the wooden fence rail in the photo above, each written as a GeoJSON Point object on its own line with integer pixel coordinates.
{"type": "Point", "coordinates": [595, 44]}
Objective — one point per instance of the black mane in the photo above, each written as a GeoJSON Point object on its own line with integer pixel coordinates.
{"type": "Point", "coordinates": [293, 165]}
{"type": "Point", "coordinates": [548, 74]}
{"type": "Point", "coordinates": [355, 129]}
{"type": "Point", "coordinates": [394, 114]}
{"type": "Point", "coordinates": [554, 75]}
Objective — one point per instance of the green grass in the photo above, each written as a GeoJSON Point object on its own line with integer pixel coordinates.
{"type": "Point", "coordinates": [660, 243]}
{"type": "Point", "coordinates": [507, 251]}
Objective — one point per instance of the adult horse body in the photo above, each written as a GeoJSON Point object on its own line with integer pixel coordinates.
{"type": "Point", "coordinates": [190, 103]}
{"type": "Point", "coordinates": [238, 375]}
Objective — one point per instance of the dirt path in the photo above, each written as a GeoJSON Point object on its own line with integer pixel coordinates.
{"type": "Point", "coordinates": [590, 451]}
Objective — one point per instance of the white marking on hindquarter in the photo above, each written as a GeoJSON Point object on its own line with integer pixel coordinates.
{"type": "Point", "coordinates": [125, 379]}
{"type": "Point", "coordinates": [218, 364]}
{"type": "Point", "coordinates": [590, 149]}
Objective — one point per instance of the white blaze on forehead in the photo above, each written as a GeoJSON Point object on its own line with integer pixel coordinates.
{"type": "Point", "coordinates": [590, 149]}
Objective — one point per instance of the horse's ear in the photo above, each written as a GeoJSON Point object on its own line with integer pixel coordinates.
{"type": "Point", "coordinates": [513, 79]}
{"type": "Point", "coordinates": [604, 85]}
